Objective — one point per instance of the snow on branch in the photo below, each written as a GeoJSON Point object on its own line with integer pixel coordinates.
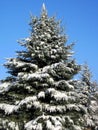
{"type": "Point", "coordinates": [54, 109]}
{"type": "Point", "coordinates": [9, 124]}
{"type": "Point", "coordinates": [57, 95]}
{"type": "Point", "coordinates": [17, 63]}
{"type": "Point", "coordinates": [4, 87]}
{"type": "Point", "coordinates": [51, 123]}
{"type": "Point", "coordinates": [28, 101]}
{"type": "Point", "coordinates": [8, 109]}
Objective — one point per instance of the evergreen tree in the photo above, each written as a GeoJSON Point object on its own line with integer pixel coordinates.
{"type": "Point", "coordinates": [91, 88]}
{"type": "Point", "coordinates": [40, 94]}
{"type": "Point", "coordinates": [87, 90]}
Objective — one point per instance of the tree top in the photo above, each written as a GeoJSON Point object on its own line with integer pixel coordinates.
{"type": "Point", "coordinates": [44, 10]}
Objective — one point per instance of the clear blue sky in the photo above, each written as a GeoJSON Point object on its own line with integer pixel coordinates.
{"type": "Point", "coordinates": [79, 18]}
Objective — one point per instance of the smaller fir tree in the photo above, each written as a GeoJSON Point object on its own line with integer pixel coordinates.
{"type": "Point", "coordinates": [92, 92]}
{"type": "Point", "coordinates": [88, 88]}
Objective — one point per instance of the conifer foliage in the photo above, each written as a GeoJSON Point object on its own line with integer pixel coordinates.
{"type": "Point", "coordinates": [40, 94]}
{"type": "Point", "coordinates": [87, 91]}
{"type": "Point", "coordinates": [90, 89]}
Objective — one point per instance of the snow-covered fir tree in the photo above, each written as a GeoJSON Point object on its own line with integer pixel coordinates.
{"type": "Point", "coordinates": [91, 91]}
{"type": "Point", "coordinates": [40, 94]}
{"type": "Point", "coordinates": [87, 90]}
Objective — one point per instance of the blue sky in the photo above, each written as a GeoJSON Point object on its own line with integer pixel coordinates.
{"type": "Point", "coordinates": [79, 18]}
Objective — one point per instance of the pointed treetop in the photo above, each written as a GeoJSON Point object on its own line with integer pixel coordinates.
{"type": "Point", "coordinates": [44, 7]}
{"type": "Point", "coordinates": [44, 11]}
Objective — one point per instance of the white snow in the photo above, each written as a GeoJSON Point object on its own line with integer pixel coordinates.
{"type": "Point", "coordinates": [77, 127]}
{"type": "Point", "coordinates": [29, 101]}
{"type": "Point", "coordinates": [39, 126]}
{"type": "Point", "coordinates": [4, 86]}
{"type": "Point", "coordinates": [8, 109]}
{"type": "Point", "coordinates": [38, 76]}
{"type": "Point", "coordinates": [69, 69]}
{"type": "Point", "coordinates": [56, 125]}
{"type": "Point", "coordinates": [42, 43]}
{"type": "Point", "coordinates": [4, 122]}
{"type": "Point", "coordinates": [49, 125]}
{"type": "Point", "coordinates": [13, 126]}
{"type": "Point", "coordinates": [49, 108]}
{"type": "Point", "coordinates": [60, 96]}
{"type": "Point", "coordinates": [22, 75]}
{"type": "Point", "coordinates": [69, 120]}
{"type": "Point", "coordinates": [32, 54]}
{"type": "Point", "coordinates": [48, 35]}
{"type": "Point", "coordinates": [17, 102]}
{"type": "Point", "coordinates": [41, 94]}
{"type": "Point", "coordinates": [30, 125]}
{"type": "Point", "coordinates": [33, 124]}
{"type": "Point", "coordinates": [51, 90]}
{"type": "Point", "coordinates": [28, 39]}
{"type": "Point", "coordinates": [61, 108]}
{"type": "Point", "coordinates": [65, 84]}
{"type": "Point", "coordinates": [89, 122]}
{"type": "Point", "coordinates": [29, 88]}
{"type": "Point", "coordinates": [93, 103]}
{"type": "Point", "coordinates": [55, 68]}
{"type": "Point", "coordinates": [57, 94]}
{"type": "Point", "coordinates": [52, 108]}
{"type": "Point", "coordinates": [69, 85]}
{"type": "Point", "coordinates": [20, 64]}
{"type": "Point", "coordinates": [37, 104]}
{"type": "Point", "coordinates": [47, 68]}
{"type": "Point", "coordinates": [53, 51]}
{"type": "Point", "coordinates": [17, 63]}
{"type": "Point", "coordinates": [50, 80]}
{"type": "Point", "coordinates": [83, 108]}
{"type": "Point", "coordinates": [52, 56]}
{"type": "Point", "coordinates": [94, 106]}
{"type": "Point", "coordinates": [73, 107]}
{"type": "Point", "coordinates": [8, 124]}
